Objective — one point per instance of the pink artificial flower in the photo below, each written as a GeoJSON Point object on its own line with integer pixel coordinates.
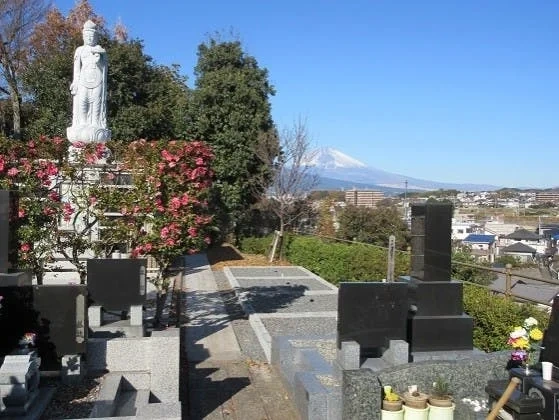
{"type": "Point", "coordinates": [2, 163]}
{"type": "Point", "coordinates": [164, 233]}
{"type": "Point", "coordinates": [208, 240]}
{"type": "Point", "coordinates": [78, 144]}
{"type": "Point", "coordinates": [25, 247]}
{"type": "Point", "coordinates": [31, 144]}
{"type": "Point", "coordinates": [148, 247]}
{"type": "Point", "coordinates": [170, 242]}
{"type": "Point", "coordinates": [193, 232]}
{"type": "Point", "coordinates": [199, 161]}
{"type": "Point", "coordinates": [21, 213]}
{"type": "Point", "coordinates": [13, 171]}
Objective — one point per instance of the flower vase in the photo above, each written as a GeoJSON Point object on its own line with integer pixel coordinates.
{"type": "Point", "coordinates": [411, 413]}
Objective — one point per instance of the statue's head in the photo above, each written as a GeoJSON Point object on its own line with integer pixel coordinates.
{"type": "Point", "coordinates": [89, 33]}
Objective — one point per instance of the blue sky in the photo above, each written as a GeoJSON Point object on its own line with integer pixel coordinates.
{"type": "Point", "coordinates": [450, 91]}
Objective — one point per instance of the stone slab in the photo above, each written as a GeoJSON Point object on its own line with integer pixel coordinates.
{"type": "Point", "coordinates": [285, 302]}
{"type": "Point", "coordinates": [272, 271]}
{"type": "Point", "coordinates": [300, 327]}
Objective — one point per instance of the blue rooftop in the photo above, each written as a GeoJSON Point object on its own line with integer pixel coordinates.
{"type": "Point", "coordinates": [480, 239]}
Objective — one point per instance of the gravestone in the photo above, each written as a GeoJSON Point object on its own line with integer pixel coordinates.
{"type": "Point", "coordinates": [7, 278]}
{"type": "Point", "coordinates": [56, 313]}
{"type": "Point", "coordinates": [116, 285]}
{"type": "Point", "coordinates": [439, 322]}
{"type": "Point", "coordinates": [372, 314]}
{"type": "Point", "coordinates": [550, 344]}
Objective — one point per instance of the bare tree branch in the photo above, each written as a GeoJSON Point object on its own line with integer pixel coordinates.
{"type": "Point", "coordinates": [17, 20]}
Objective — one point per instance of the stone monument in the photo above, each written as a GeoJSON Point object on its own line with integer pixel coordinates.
{"type": "Point", "coordinates": [439, 322]}
{"type": "Point", "coordinates": [89, 90]}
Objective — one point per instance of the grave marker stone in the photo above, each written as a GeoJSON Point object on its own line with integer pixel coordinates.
{"type": "Point", "coordinates": [117, 284]}
{"type": "Point", "coordinates": [439, 322]}
{"type": "Point", "coordinates": [372, 314]}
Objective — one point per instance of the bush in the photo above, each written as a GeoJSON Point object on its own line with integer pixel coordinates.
{"type": "Point", "coordinates": [495, 317]}
{"type": "Point", "coordinates": [336, 262]}
{"type": "Point", "coordinates": [258, 246]}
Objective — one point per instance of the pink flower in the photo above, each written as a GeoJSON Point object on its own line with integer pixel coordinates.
{"type": "Point", "coordinates": [170, 242]}
{"type": "Point", "coordinates": [164, 233]}
{"type": "Point", "coordinates": [67, 211]}
{"type": "Point", "coordinates": [21, 213]}
{"type": "Point", "coordinates": [54, 196]}
{"type": "Point", "coordinates": [78, 144]}
{"type": "Point", "coordinates": [208, 240]}
{"type": "Point", "coordinates": [193, 232]}
{"type": "Point", "coordinates": [148, 247]}
{"type": "Point", "coordinates": [13, 171]}
{"type": "Point", "coordinates": [199, 161]}
{"type": "Point", "coordinates": [25, 247]}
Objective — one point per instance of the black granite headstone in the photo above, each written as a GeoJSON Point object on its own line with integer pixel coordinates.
{"type": "Point", "coordinates": [438, 322]}
{"type": "Point", "coordinates": [62, 321]}
{"type": "Point", "coordinates": [550, 344]}
{"type": "Point", "coordinates": [431, 229]}
{"type": "Point", "coordinates": [116, 284]}
{"type": "Point", "coordinates": [372, 314]}
{"type": "Point", "coordinates": [57, 314]}
{"type": "Point", "coordinates": [16, 316]}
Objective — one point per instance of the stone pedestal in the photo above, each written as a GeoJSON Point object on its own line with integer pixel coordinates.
{"type": "Point", "coordinates": [19, 382]}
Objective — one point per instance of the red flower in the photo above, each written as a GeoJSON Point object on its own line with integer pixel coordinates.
{"type": "Point", "coordinates": [25, 248]}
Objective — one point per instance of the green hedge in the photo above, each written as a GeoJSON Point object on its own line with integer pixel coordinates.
{"type": "Point", "coordinates": [495, 317]}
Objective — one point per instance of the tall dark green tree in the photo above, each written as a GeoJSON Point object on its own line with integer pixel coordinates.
{"type": "Point", "coordinates": [231, 111]}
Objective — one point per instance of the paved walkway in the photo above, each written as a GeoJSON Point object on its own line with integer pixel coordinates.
{"type": "Point", "coordinates": [223, 383]}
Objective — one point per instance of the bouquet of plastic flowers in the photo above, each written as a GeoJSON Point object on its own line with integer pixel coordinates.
{"type": "Point", "coordinates": [28, 339]}
{"type": "Point", "coordinates": [525, 340]}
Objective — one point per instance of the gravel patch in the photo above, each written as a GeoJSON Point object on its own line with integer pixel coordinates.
{"type": "Point", "coordinates": [71, 401]}
{"type": "Point", "coordinates": [264, 285]}
{"type": "Point", "coordinates": [268, 271]}
{"type": "Point", "coordinates": [300, 326]}
{"type": "Point", "coordinates": [286, 302]}
{"type": "Point", "coordinates": [246, 337]}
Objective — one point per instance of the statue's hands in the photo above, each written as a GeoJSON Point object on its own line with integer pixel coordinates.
{"type": "Point", "coordinates": [73, 88]}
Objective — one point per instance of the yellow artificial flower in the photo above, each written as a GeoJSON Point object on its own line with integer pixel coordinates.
{"type": "Point", "coordinates": [521, 343]}
{"type": "Point", "coordinates": [536, 334]}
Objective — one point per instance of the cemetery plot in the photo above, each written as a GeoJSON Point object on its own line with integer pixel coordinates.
{"type": "Point", "coordinates": [285, 301]}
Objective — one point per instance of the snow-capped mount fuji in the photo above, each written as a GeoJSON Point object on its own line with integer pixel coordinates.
{"type": "Point", "coordinates": [328, 158]}
{"type": "Point", "coordinates": [334, 165]}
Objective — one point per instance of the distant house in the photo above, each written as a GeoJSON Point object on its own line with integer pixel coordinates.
{"type": "Point", "coordinates": [526, 237]}
{"type": "Point", "coordinates": [531, 290]}
{"type": "Point", "coordinates": [523, 252]}
{"type": "Point", "coordinates": [483, 246]}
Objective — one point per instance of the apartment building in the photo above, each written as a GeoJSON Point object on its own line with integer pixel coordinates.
{"type": "Point", "coordinates": [363, 198]}
{"type": "Point", "coordinates": [547, 197]}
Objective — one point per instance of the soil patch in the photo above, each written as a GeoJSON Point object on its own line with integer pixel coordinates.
{"type": "Point", "coordinates": [227, 255]}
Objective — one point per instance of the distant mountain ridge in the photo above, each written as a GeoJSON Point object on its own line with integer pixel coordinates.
{"type": "Point", "coordinates": [335, 165]}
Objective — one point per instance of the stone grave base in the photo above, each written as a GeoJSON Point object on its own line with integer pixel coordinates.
{"type": "Point", "coordinates": [143, 375]}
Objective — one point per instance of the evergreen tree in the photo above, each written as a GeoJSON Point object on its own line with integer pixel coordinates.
{"type": "Point", "coordinates": [231, 112]}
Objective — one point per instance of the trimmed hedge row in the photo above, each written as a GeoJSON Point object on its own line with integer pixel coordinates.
{"type": "Point", "coordinates": [494, 317]}
{"type": "Point", "coordinates": [334, 262]}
